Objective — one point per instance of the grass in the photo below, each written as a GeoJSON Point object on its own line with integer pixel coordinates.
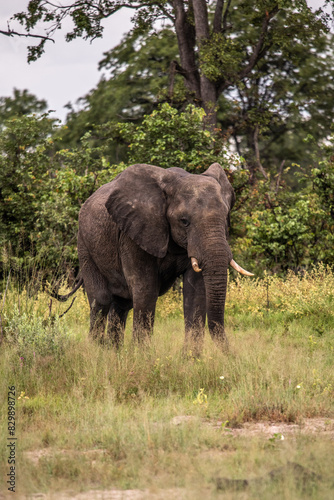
{"type": "Point", "coordinates": [154, 418]}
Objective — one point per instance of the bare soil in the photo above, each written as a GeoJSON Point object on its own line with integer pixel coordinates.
{"type": "Point", "coordinates": [323, 426]}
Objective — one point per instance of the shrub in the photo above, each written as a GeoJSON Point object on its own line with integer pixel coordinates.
{"type": "Point", "coordinates": [32, 335]}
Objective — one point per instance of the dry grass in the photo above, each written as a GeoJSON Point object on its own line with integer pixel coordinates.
{"type": "Point", "coordinates": [96, 418]}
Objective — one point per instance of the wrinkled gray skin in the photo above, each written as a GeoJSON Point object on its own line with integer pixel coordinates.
{"type": "Point", "coordinates": [137, 235]}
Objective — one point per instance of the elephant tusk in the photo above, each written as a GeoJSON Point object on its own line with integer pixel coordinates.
{"type": "Point", "coordinates": [240, 269]}
{"type": "Point", "coordinates": [195, 265]}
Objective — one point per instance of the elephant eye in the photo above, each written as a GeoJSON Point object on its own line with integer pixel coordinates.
{"type": "Point", "coordinates": [185, 221]}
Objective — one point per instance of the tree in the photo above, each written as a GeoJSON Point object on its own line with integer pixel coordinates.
{"type": "Point", "coordinates": [22, 103]}
{"type": "Point", "coordinates": [292, 231]}
{"type": "Point", "coordinates": [288, 228]}
{"type": "Point", "coordinates": [24, 167]}
{"type": "Point", "coordinates": [41, 193]}
{"type": "Point", "coordinates": [285, 99]}
{"type": "Point", "coordinates": [138, 80]}
{"type": "Point", "coordinates": [169, 138]}
{"type": "Point", "coordinates": [268, 115]}
{"type": "Point", "coordinates": [213, 55]}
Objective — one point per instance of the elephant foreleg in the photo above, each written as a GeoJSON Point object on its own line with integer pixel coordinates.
{"type": "Point", "coordinates": [141, 274]}
{"type": "Point", "coordinates": [194, 306]}
{"type": "Point", "coordinates": [145, 297]}
{"type": "Point", "coordinates": [143, 319]}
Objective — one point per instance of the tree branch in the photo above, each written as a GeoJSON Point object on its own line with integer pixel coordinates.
{"type": "Point", "coordinates": [258, 51]}
{"type": "Point", "coordinates": [217, 20]}
{"type": "Point", "coordinates": [258, 48]}
{"type": "Point", "coordinates": [186, 41]}
{"type": "Point", "coordinates": [225, 15]}
{"type": "Point", "coordinates": [279, 175]}
{"type": "Point", "coordinates": [11, 32]}
{"type": "Point", "coordinates": [201, 20]}
{"type": "Point", "coordinates": [172, 69]}
{"type": "Point", "coordinates": [257, 152]}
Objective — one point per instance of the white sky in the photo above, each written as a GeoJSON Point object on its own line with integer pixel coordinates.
{"type": "Point", "coordinates": [66, 71]}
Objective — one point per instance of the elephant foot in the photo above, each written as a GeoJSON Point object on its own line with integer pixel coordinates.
{"type": "Point", "coordinates": [142, 337]}
{"type": "Point", "coordinates": [193, 342]}
{"type": "Point", "coordinates": [100, 338]}
{"type": "Point", "coordinates": [142, 327]}
{"type": "Point", "coordinates": [222, 343]}
{"type": "Point", "coordinates": [191, 352]}
{"type": "Point", "coordinates": [116, 336]}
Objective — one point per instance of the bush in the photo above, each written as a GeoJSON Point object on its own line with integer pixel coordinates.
{"type": "Point", "coordinates": [169, 138]}
{"type": "Point", "coordinates": [42, 189]}
{"type": "Point", "coordinates": [32, 335]}
{"type": "Point", "coordinates": [41, 192]}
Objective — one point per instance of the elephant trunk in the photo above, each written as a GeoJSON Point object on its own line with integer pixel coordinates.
{"type": "Point", "coordinates": [214, 262]}
{"type": "Point", "coordinates": [215, 286]}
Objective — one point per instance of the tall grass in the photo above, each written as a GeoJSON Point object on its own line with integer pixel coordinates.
{"type": "Point", "coordinates": [108, 416]}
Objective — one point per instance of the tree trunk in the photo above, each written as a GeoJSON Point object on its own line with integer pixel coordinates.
{"type": "Point", "coordinates": [208, 88]}
{"type": "Point", "coordinates": [186, 39]}
{"type": "Point", "coordinates": [193, 29]}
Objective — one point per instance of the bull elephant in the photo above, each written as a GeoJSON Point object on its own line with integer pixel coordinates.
{"type": "Point", "coordinates": [141, 231]}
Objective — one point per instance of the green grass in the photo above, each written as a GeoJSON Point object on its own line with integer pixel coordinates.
{"type": "Point", "coordinates": [100, 419]}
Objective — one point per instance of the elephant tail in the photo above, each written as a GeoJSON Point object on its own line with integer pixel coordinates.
{"type": "Point", "coordinates": [64, 298]}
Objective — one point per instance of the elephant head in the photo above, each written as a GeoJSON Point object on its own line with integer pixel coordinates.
{"type": "Point", "coordinates": [157, 208]}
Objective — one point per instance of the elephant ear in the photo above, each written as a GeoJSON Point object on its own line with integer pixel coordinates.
{"type": "Point", "coordinates": [137, 204]}
{"type": "Point", "coordinates": [218, 173]}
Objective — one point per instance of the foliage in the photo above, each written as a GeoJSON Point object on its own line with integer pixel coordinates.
{"type": "Point", "coordinates": [43, 187]}
{"type": "Point", "coordinates": [293, 232]}
{"type": "Point", "coordinates": [283, 98]}
{"type": "Point", "coordinates": [79, 173]}
{"type": "Point", "coordinates": [32, 335]}
{"type": "Point", "coordinates": [139, 71]}
{"type": "Point", "coordinates": [168, 138]}
{"type": "Point", "coordinates": [22, 103]}
{"type": "Point", "coordinates": [281, 228]}
{"type": "Point", "coordinates": [322, 177]}
{"type": "Point", "coordinates": [211, 46]}
{"type": "Point", "coordinates": [25, 165]}
{"type": "Point", "coordinates": [270, 92]}
{"type": "Point", "coordinates": [42, 191]}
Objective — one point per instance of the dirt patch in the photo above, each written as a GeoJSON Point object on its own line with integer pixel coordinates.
{"type": "Point", "coordinates": [167, 494]}
{"type": "Point", "coordinates": [313, 426]}
{"type": "Point", "coordinates": [323, 426]}
{"type": "Point", "coordinates": [182, 419]}
{"type": "Point", "coordinates": [35, 455]}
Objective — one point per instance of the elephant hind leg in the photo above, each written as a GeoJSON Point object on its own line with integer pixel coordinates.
{"type": "Point", "coordinates": [98, 320]}
{"type": "Point", "coordinates": [116, 324]}
{"type": "Point", "coordinates": [99, 296]}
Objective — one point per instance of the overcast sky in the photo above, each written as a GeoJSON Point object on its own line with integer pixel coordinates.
{"type": "Point", "coordinates": [66, 71]}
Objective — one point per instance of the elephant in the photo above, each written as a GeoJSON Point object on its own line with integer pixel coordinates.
{"type": "Point", "coordinates": [139, 233]}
